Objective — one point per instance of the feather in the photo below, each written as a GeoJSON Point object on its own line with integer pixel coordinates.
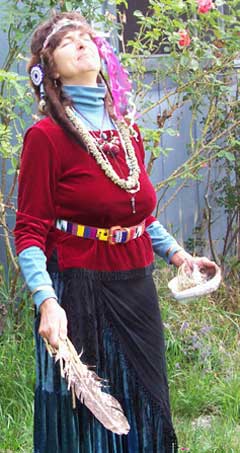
{"type": "Point", "coordinates": [88, 387]}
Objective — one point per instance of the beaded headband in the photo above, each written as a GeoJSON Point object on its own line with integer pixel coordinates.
{"type": "Point", "coordinates": [59, 25]}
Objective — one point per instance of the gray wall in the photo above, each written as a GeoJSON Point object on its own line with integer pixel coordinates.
{"type": "Point", "coordinates": [185, 212]}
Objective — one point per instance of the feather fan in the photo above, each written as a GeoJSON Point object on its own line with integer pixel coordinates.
{"type": "Point", "coordinates": [88, 387]}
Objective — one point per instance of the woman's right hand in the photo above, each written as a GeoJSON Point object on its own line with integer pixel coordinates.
{"type": "Point", "coordinates": [53, 323]}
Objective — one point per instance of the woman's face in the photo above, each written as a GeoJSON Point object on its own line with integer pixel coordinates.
{"type": "Point", "coordinates": [77, 59]}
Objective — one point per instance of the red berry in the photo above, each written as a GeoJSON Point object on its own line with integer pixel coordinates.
{"type": "Point", "coordinates": [115, 149]}
{"type": "Point", "coordinates": [106, 148]}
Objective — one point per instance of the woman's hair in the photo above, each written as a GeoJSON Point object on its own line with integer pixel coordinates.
{"type": "Point", "coordinates": [56, 99]}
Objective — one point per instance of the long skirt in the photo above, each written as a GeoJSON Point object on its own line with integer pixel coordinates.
{"type": "Point", "coordinates": [114, 318]}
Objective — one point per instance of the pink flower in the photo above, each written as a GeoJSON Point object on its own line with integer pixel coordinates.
{"type": "Point", "coordinates": [204, 5]}
{"type": "Point", "coordinates": [184, 38]}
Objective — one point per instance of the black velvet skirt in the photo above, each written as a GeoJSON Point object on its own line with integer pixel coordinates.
{"type": "Point", "coordinates": [114, 318]}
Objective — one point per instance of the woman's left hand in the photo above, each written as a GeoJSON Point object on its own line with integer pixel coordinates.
{"type": "Point", "coordinates": [203, 263]}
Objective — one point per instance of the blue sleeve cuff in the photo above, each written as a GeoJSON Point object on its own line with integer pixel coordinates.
{"type": "Point", "coordinates": [162, 241]}
{"type": "Point", "coordinates": [40, 296]}
{"type": "Point", "coordinates": [32, 262]}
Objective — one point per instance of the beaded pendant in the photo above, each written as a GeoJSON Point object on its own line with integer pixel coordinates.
{"type": "Point", "coordinates": [109, 145]}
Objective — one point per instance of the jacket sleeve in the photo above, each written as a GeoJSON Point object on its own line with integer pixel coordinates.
{"type": "Point", "coordinates": [38, 178]}
{"type": "Point", "coordinates": [163, 243]}
{"type": "Point", "coordinates": [36, 191]}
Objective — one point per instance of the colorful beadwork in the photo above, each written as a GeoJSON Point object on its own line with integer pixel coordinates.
{"type": "Point", "coordinates": [113, 235]}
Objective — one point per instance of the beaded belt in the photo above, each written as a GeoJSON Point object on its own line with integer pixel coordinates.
{"type": "Point", "coordinates": [113, 235]}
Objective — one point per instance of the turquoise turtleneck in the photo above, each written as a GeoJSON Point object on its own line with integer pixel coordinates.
{"type": "Point", "coordinates": [89, 101]}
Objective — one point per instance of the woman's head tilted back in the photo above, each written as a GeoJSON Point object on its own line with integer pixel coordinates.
{"type": "Point", "coordinates": [45, 45]}
{"type": "Point", "coordinates": [64, 49]}
{"type": "Point", "coordinates": [48, 38]}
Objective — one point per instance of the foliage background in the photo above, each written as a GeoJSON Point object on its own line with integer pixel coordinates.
{"type": "Point", "coordinates": [202, 339]}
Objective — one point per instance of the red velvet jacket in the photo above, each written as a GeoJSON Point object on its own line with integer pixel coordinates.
{"type": "Point", "coordinates": [59, 179]}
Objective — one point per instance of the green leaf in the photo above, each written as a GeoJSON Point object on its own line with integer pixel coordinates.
{"type": "Point", "coordinates": [194, 64]}
{"type": "Point", "coordinates": [120, 2]}
{"type": "Point", "coordinates": [227, 155]}
{"type": "Point", "coordinates": [68, 6]}
{"type": "Point", "coordinates": [170, 131]}
{"type": "Point", "coordinates": [14, 162]}
{"type": "Point", "coordinates": [184, 60]}
{"type": "Point", "coordinates": [11, 171]}
{"type": "Point", "coordinates": [138, 14]}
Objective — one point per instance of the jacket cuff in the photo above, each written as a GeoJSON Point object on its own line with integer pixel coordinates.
{"type": "Point", "coordinates": [174, 249]}
{"type": "Point", "coordinates": [40, 296]}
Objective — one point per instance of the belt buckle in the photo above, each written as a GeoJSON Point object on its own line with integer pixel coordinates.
{"type": "Point", "coordinates": [113, 230]}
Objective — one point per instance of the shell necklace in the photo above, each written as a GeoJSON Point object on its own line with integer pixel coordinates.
{"type": "Point", "coordinates": [131, 183]}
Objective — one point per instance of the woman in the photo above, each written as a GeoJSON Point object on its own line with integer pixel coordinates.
{"type": "Point", "coordinates": [85, 238]}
